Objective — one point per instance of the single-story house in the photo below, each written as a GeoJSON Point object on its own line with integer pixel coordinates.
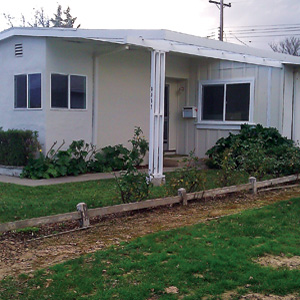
{"type": "Point", "coordinates": [185, 92]}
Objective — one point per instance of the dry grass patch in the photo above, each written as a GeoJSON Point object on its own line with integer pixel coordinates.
{"type": "Point", "coordinates": [233, 295]}
{"type": "Point", "coordinates": [291, 263]}
{"type": "Point", "coordinates": [269, 297]}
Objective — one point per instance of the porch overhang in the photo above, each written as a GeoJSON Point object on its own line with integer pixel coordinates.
{"type": "Point", "coordinates": [200, 51]}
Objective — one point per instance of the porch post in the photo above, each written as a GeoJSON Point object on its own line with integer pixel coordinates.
{"type": "Point", "coordinates": [156, 137]}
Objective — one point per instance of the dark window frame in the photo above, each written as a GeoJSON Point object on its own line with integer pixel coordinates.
{"type": "Point", "coordinates": [225, 83]}
{"type": "Point", "coordinates": [27, 93]}
{"type": "Point", "coordinates": [69, 92]}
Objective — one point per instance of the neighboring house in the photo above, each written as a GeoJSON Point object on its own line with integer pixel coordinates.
{"type": "Point", "coordinates": [71, 84]}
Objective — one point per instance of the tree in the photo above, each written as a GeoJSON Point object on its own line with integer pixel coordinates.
{"type": "Point", "coordinates": [62, 18]}
{"type": "Point", "coordinates": [291, 45]}
{"type": "Point", "coordinates": [58, 20]}
{"type": "Point", "coordinates": [40, 19]}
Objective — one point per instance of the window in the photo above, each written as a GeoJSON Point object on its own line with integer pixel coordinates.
{"type": "Point", "coordinates": [28, 92]}
{"type": "Point", "coordinates": [78, 91]}
{"type": "Point", "coordinates": [225, 101]}
{"type": "Point", "coordinates": [68, 91]}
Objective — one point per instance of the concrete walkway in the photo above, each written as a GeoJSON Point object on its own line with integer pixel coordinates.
{"type": "Point", "coordinates": [67, 179]}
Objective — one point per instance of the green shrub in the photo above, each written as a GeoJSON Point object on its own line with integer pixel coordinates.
{"type": "Point", "coordinates": [118, 157]}
{"type": "Point", "coordinates": [81, 158]}
{"type": "Point", "coordinates": [17, 146]}
{"type": "Point", "coordinates": [133, 186]}
{"type": "Point", "coordinates": [258, 151]}
{"type": "Point", "coordinates": [110, 158]}
{"type": "Point", "coordinates": [140, 146]}
{"type": "Point", "coordinates": [189, 177]}
{"type": "Point", "coordinates": [227, 174]}
{"type": "Point", "coordinates": [57, 163]}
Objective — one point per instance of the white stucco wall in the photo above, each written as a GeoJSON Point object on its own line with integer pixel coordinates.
{"type": "Point", "coordinates": [124, 95]}
{"type": "Point", "coordinates": [32, 61]}
{"type": "Point", "coordinates": [71, 58]}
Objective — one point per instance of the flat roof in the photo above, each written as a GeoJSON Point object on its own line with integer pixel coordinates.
{"type": "Point", "coordinates": [164, 40]}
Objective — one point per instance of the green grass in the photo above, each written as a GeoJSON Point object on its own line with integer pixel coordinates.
{"type": "Point", "coordinates": [21, 202]}
{"type": "Point", "coordinates": [201, 260]}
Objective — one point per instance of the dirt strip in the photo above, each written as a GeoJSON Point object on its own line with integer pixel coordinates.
{"type": "Point", "coordinates": [20, 255]}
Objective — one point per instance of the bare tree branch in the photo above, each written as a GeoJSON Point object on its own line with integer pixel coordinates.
{"type": "Point", "coordinates": [9, 19]}
{"type": "Point", "coordinates": [40, 19]}
{"type": "Point", "coordinates": [290, 45]}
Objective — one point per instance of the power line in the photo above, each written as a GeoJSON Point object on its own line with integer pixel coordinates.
{"type": "Point", "coordinates": [277, 25]}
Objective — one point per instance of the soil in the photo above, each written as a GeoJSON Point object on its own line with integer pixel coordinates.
{"type": "Point", "coordinates": [276, 262]}
{"type": "Point", "coordinates": [24, 253]}
{"type": "Point", "coordinates": [230, 295]}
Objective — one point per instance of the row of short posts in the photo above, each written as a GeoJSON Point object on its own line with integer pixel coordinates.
{"type": "Point", "coordinates": [84, 221]}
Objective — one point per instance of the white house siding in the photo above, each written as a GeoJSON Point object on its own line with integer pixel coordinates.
{"type": "Point", "coordinates": [296, 125]}
{"type": "Point", "coordinates": [287, 112]}
{"type": "Point", "coordinates": [32, 61]}
{"type": "Point", "coordinates": [72, 58]}
{"type": "Point", "coordinates": [267, 102]}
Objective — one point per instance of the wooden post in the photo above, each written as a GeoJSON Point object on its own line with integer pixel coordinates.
{"type": "Point", "coordinates": [252, 180]}
{"type": "Point", "coordinates": [182, 194]}
{"type": "Point", "coordinates": [85, 220]}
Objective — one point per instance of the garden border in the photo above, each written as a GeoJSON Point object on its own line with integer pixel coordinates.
{"type": "Point", "coordinates": [182, 197]}
{"type": "Point", "coordinates": [11, 171]}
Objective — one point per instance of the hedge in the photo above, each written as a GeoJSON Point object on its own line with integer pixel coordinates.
{"type": "Point", "coordinates": [16, 146]}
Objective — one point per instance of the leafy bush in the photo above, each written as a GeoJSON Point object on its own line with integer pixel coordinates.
{"type": "Point", "coordinates": [17, 146]}
{"type": "Point", "coordinates": [189, 177]}
{"type": "Point", "coordinates": [110, 158]}
{"type": "Point", "coordinates": [258, 151]}
{"type": "Point", "coordinates": [81, 158]}
{"type": "Point", "coordinates": [57, 163]}
{"type": "Point", "coordinates": [133, 186]}
{"type": "Point", "coordinates": [227, 175]}
{"type": "Point", "coordinates": [140, 146]}
{"type": "Point", "coordinates": [113, 158]}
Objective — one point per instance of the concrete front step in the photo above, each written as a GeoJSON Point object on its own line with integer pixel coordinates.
{"type": "Point", "coordinates": [178, 161]}
{"type": "Point", "coordinates": [175, 160]}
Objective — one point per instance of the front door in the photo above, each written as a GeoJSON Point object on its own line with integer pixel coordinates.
{"type": "Point", "coordinates": [166, 117]}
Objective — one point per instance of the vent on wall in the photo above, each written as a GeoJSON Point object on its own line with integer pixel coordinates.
{"type": "Point", "coordinates": [18, 50]}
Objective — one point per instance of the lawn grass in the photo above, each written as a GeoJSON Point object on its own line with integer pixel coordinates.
{"type": "Point", "coordinates": [204, 260]}
{"type": "Point", "coordinates": [21, 202]}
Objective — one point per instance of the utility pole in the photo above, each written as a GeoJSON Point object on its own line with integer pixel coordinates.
{"type": "Point", "coordinates": [221, 6]}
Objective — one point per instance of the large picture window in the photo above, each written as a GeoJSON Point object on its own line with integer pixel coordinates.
{"type": "Point", "coordinates": [28, 92]}
{"type": "Point", "coordinates": [68, 91]}
{"type": "Point", "coordinates": [225, 101]}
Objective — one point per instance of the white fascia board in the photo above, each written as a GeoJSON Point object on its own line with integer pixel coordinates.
{"type": "Point", "coordinates": [167, 46]}
{"type": "Point", "coordinates": [97, 34]}
{"type": "Point", "coordinates": [225, 46]}
{"type": "Point", "coordinates": [291, 64]}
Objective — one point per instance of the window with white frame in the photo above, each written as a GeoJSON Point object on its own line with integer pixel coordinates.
{"type": "Point", "coordinates": [68, 91]}
{"type": "Point", "coordinates": [28, 91]}
{"type": "Point", "coordinates": [222, 101]}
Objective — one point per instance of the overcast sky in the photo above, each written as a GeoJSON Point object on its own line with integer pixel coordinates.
{"type": "Point", "coordinates": [197, 17]}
